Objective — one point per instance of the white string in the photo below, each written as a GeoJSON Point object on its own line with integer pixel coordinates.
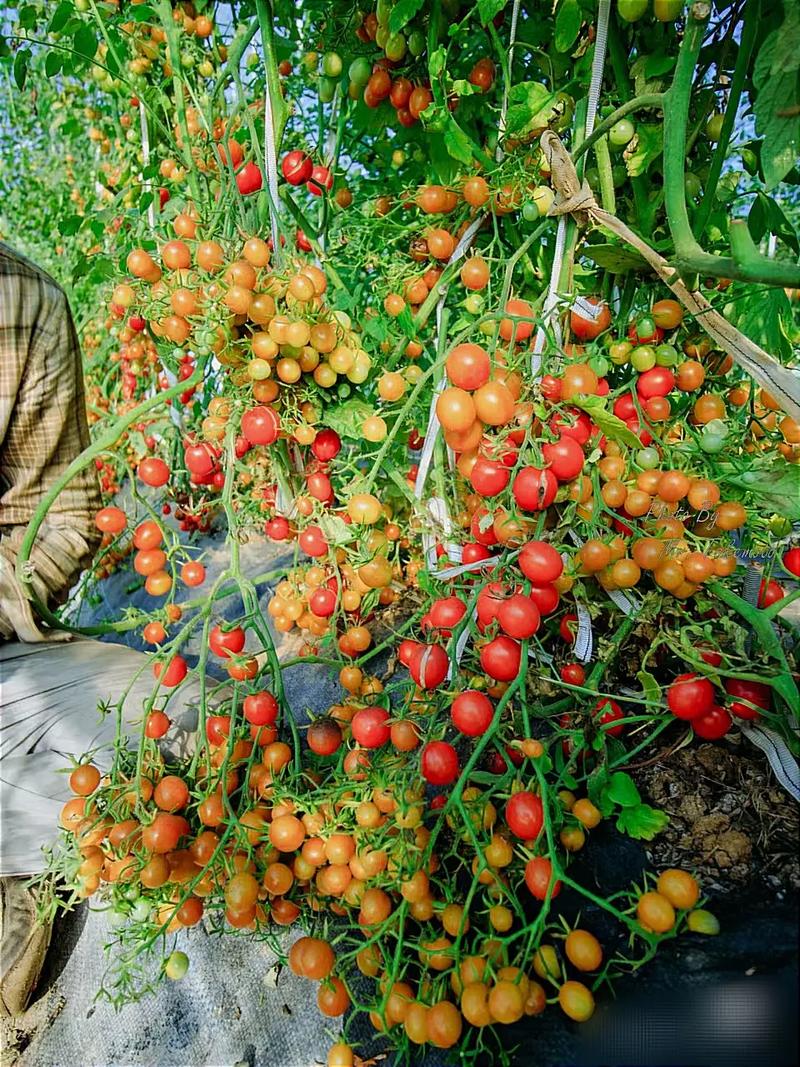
{"type": "Point", "coordinates": [549, 318]}
{"type": "Point", "coordinates": [271, 164]}
{"type": "Point", "coordinates": [151, 211]}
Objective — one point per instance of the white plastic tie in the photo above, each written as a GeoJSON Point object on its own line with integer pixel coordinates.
{"type": "Point", "coordinates": [584, 638]}
{"type": "Point", "coordinates": [783, 764]}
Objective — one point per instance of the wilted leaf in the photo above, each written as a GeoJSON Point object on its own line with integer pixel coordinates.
{"type": "Point", "coordinates": [648, 147]}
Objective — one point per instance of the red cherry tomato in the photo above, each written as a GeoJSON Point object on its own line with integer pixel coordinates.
{"type": "Point", "coordinates": [472, 713]}
{"type": "Point", "coordinates": [712, 724]}
{"type": "Point", "coordinates": [369, 727]}
{"type": "Point", "coordinates": [439, 763]}
{"type": "Point", "coordinates": [260, 709]}
{"type": "Point", "coordinates": [690, 696]}
{"type": "Point", "coordinates": [261, 425]}
{"type": "Point", "coordinates": [296, 167]}
{"type": "Point", "coordinates": [534, 489]}
{"type": "Point", "coordinates": [539, 878]}
{"type": "Point", "coordinates": [525, 815]}
{"type": "Point", "coordinates": [501, 658]}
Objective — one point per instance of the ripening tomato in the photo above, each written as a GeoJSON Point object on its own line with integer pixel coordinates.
{"type": "Point", "coordinates": [539, 878]}
{"type": "Point", "coordinates": [193, 573]}
{"type": "Point", "coordinates": [261, 425]}
{"type": "Point", "coordinates": [176, 670]}
{"type": "Point", "coordinates": [769, 593]}
{"type": "Point", "coordinates": [519, 617]}
{"type": "Point", "coordinates": [321, 180]}
{"type": "Point", "coordinates": [369, 727]}
{"type": "Point", "coordinates": [525, 815]}
{"type": "Point", "coordinates": [153, 471]}
{"type": "Point", "coordinates": [587, 326]}
{"type": "Point", "coordinates": [712, 724]}
{"type": "Point", "coordinates": [429, 665]}
{"type": "Point", "coordinates": [545, 597]}
{"type": "Point", "coordinates": [326, 445]}
{"type": "Point", "coordinates": [468, 366]}
{"type": "Point", "coordinates": [690, 696]}
{"type": "Point", "coordinates": [111, 520]}
{"type": "Point", "coordinates": [791, 561]}
{"type": "Point", "coordinates": [218, 727]}
{"type": "Point", "coordinates": [564, 458]}
{"type": "Point", "coordinates": [501, 658]}
{"type": "Point", "coordinates": [260, 709]}
{"type": "Point", "coordinates": [608, 711]}
{"type": "Point", "coordinates": [534, 489]}
{"type": "Point", "coordinates": [540, 562]}
{"type": "Point", "coordinates": [472, 713]}
{"type": "Point", "coordinates": [439, 763]}
{"type": "Point", "coordinates": [157, 725]}
{"type": "Point", "coordinates": [573, 674]}
{"type": "Point", "coordinates": [489, 477]}
{"type": "Point", "coordinates": [226, 643]}
{"type": "Point", "coordinates": [249, 179]}
{"type": "Point", "coordinates": [658, 381]}
{"type": "Point", "coordinates": [520, 331]}
{"type": "Point", "coordinates": [324, 737]}
{"type": "Point", "coordinates": [747, 693]}
{"type": "Point", "coordinates": [296, 167]}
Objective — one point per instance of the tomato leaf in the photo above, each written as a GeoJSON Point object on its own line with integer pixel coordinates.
{"type": "Point", "coordinates": [763, 315]}
{"type": "Point", "coordinates": [777, 489]}
{"type": "Point", "coordinates": [776, 76]}
{"type": "Point", "coordinates": [531, 106]}
{"type": "Point", "coordinates": [767, 216]}
{"type": "Point", "coordinates": [642, 822]}
{"type": "Point", "coordinates": [60, 17]}
{"type": "Point", "coordinates": [650, 687]}
{"type": "Point", "coordinates": [607, 422]}
{"type": "Point", "coordinates": [457, 142]}
{"type": "Point", "coordinates": [52, 64]}
{"type": "Point", "coordinates": [348, 418]}
{"type": "Point", "coordinates": [21, 61]}
{"type": "Point", "coordinates": [487, 9]}
{"type": "Point", "coordinates": [402, 13]}
{"type": "Point", "coordinates": [568, 25]}
{"type": "Point", "coordinates": [658, 63]}
{"type": "Point", "coordinates": [648, 146]}
{"type": "Point", "coordinates": [614, 258]}
{"type": "Point", "coordinates": [622, 790]}
{"type": "Point", "coordinates": [85, 41]}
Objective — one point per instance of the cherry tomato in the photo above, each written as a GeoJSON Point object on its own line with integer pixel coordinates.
{"type": "Point", "coordinates": [525, 816]}
{"type": "Point", "coordinates": [472, 713]}
{"type": "Point", "coordinates": [439, 763]}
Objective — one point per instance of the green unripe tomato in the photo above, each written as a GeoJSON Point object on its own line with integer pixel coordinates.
{"type": "Point", "coordinates": [354, 91]}
{"type": "Point", "coordinates": [117, 919]}
{"type": "Point", "coordinates": [780, 526]}
{"type": "Point", "coordinates": [692, 185]}
{"type": "Point", "coordinates": [543, 197]}
{"type": "Point", "coordinates": [717, 427]}
{"type": "Point", "coordinates": [530, 211]}
{"type": "Point", "coordinates": [310, 60]}
{"type": "Point", "coordinates": [187, 60]}
{"type": "Point", "coordinates": [383, 10]}
{"type": "Point", "coordinates": [474, 303]}
{"type": "Point", "coordinates": [252, 60]}
{"type": "Point", "coordinates": [619, 175]}
{"type": "Point", "coordinates": [487, 327]}
{"type": "Point", "coordinates": [382, 36]}
{"type": "Point", "coordinates": [398, 157]}
{"type": "Point", "coordinates": [418, 155]}
{"type": "Point", "coordinates": [701, 921]}
{"type": "Point", "coordinates": [176, 966]}
{"type": "Point", "coordinates": [599, 365]}
{"type": "Point", "coordinates": [416, 43]}
{"type": "Point", "coordinates": [592, 176]}
{"type": "Point", "coordinates": [326, 89]}
{"type": "Point", "coordinates": [667, 10]}
{"type": "Point", "coordinates": [711, 444]}
{"type": "Point", "coordinates": [343, 390]}
{"type": "Point", "coordinates": [621, 132]}
{"type": "Point", "coordinates": [82, 6]}
{"type": "Point", "coordinates": [714, 127]}
{"type": "Point", "coordinates": [395, 47]}
{"type": "Point", "coordinates": [631, 10]}
{"type": "Point", "coordinates": [359, 71]}
{"type": "Point", "coordinates": [643, 358]}
{"type": "Point", "coordinates": [140, 912]}
{"type": "Point", "coordinates": [619, 352]}
{"type": "Point", "coordinates": [648, 458]}
{"type": "Point", "coordinates": [332, 65]}
{"type": "Point", "coordinates": [666, 355]}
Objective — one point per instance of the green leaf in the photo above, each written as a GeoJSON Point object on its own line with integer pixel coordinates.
{"type": "Point", "coordinates": [531, 106]}
{"type": "Point", "coordinates": [607, 422]}
{"type": "Point", "coordinates": [27, 17]}
{"type": "Point", "coordinates": [773, 490]}
{"type": "Point", "coordinates": [650, 687]}
{"type": "Point", "coordinates": [21, 61]}
{"type": "Point", "coordinates": [52, 64]}
{"type": "Point", "coordinates": [615, 258]}
{"type": "Point", "coordinates": [60, 17]}
{"type": "Point", "coordinates": [402, 13]}
{"type": "Point", "coordinates": [348, 418]}
{"type": "Point", "coordinates": [70, 225]}
{"type": "Point", "coordinates": [767, 216]}
{"type": "Point", "coordinates": [658, 63]}
{"type": "Point", "coordinates": [776, 78]}
{"type": "Point", "coordinates": [642, 822]}
{"type": "Point", "coordinates": [649, 146]}
{"type": "Point", "coordinates": [568, 25]}
{"type": "Point", "coordinates": [85, 41]}
{"type": "Point", "coordinates": [141, 13]}
{"type": "Point", "coordinates": [457, 142]}
{"type": "Point", "coordinates": [622, 790]}
{"type": "Point", "coordinates": [764, 315]}
{"type": "Point", "coordinates": [444, 166]}
{"type": "Point", "coordinates": [487, 9]}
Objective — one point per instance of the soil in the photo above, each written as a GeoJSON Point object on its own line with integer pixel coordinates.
{"type": "Point", "coordinates": [729, 819]}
